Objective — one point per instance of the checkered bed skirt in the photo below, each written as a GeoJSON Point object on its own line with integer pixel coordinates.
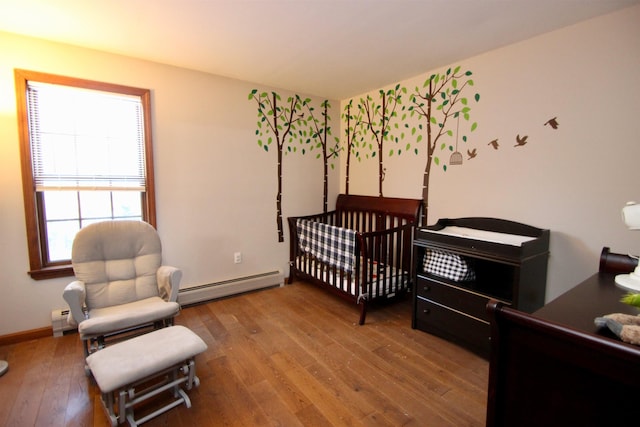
{"type": "Point", "coordinates": [332, 245]}
{"type": "Point", "coordinates": [448, 265]}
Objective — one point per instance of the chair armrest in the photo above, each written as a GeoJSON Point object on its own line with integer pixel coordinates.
{"type": "Point", "coordinates": [74, 294]}
{"type": "Point", "coordinates": [168, 282]}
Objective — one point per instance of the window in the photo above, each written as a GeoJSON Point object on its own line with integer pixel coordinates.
{"type": "Point", "coordinates": [86, 157]}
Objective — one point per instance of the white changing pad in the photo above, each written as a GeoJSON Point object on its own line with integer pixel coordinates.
{"type": "Point", "coordinates": [487, 236]}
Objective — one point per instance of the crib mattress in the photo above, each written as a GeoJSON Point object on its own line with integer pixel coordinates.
{"type": "Point", "coordinates": [385, 280]}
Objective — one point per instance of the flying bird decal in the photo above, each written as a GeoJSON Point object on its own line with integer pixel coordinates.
{"type": "Point", "coordinates": [553, 123]}
{"type": "Point", "coordinates": [494, 144]}
{"type": "Point", "coordinates": [472, 153]}
{"type": "Point", "coordinates": [521, 141]}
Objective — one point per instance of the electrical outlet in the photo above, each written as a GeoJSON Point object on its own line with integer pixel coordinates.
{"type": "Point", "coordinates": [237, 257]}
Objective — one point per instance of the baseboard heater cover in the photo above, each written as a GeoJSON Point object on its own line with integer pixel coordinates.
{"type": "Point", "coordinates": [211, 291]}
{"type": "Point", "coordinates": [59, 322]}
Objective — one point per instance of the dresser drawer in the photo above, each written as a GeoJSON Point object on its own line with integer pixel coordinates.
{"type": "Point", "coordinates": [452, 325]}
{"type": "Point", "coordinates": [458, 298]}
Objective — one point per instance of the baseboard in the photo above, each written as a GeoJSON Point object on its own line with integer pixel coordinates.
{"type": "Point", "coordinates": [26, 336]}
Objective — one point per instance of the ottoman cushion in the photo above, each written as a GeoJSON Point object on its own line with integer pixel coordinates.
{"type": "Point", "coordinates": [129, 361]}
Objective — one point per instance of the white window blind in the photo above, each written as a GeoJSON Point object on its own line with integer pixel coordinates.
{"type": "Point", "coordinates": [85, 139]}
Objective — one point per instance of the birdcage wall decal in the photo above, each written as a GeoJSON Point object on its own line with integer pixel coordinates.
{"type": "Point", "coordinates": [456, 156]}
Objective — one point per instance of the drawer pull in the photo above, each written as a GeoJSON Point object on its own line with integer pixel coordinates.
{"type": "Point", "coordinates": [426, 311]}
{"type": "Point", "coordinates": [426, 288]}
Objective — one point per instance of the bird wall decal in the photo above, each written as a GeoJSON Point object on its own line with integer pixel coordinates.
{"type": "Point", "coordinates": [494, 144]}
{"type": "Point", "coordinates": [472, 153]}
{"type": "Point", "coordinates": [552, 122]}
{"type": "Point", "coordinates": [521, 141]}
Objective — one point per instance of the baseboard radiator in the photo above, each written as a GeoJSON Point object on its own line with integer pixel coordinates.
{"type": "Point", "coordinates": [211, 291]}
{"type": "Point", "coordinates": [59, 322]}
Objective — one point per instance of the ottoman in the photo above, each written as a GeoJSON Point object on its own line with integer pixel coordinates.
{"type": "Point", "coordinates": [162, 360]}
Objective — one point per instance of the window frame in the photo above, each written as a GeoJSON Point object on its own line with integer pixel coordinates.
{"type": "Point", "coordinates": [39, 267]}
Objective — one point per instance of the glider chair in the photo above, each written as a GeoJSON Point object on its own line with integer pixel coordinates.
{"type": "Point", "coordinates": [121, 286]}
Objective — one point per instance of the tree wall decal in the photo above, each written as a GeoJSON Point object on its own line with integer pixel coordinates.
{"type": "Point", "coordinates": [320, 131]}
{"type": "Point", "coordinates": [376, 120]}
{"type": "Point", "coordinates": [279, 122]}
{"type": "Point", "coordinates": [440, 99]}
{"type": "Point", "coordinates": [354, 137]}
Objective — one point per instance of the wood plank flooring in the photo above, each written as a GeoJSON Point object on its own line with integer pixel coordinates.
{"type": "Point", "coordinates": [289, 356]}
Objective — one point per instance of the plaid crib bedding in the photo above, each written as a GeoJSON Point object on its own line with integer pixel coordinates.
{"type": "Point", "coordinates": [330, 244]}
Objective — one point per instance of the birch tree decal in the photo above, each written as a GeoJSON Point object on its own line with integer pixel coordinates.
{"type": "Point", "coordinates": [377, 118]}
{"type": "Point", "coordinates": [320, 131]}
{"type": "Point", "coordinates": [440, 100]}
{"type": "Point", "coordinates": [277, 123]}
{"type": "Point", "coordinates": [354, 137]}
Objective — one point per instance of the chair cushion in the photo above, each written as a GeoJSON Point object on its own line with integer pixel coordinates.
{"type": "Point", "coordinates": [143, 356]}
{"type": "Point", "coordinates": [109, 319]}
{"type": "Point", "coordinates": [117, 261]}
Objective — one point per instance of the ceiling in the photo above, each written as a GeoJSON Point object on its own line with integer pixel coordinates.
{"type": "Point", "coordinates": [334, 49]}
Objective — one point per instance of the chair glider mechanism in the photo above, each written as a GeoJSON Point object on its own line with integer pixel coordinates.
{"type": "Point", "coordinates": [159, 361]}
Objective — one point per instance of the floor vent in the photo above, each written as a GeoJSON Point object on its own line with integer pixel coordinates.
{"type": "Point", "coordinates": [211, 291]}
{"type": "Point", "coordinates": [59, 322]}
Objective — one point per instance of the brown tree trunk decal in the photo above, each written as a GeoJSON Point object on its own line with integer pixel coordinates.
{"type": "Point", "coordinates": [441, 101]}
{"type": "Point", "coordinates": [354, 139]}
{"type": "Point", "coordinates": [321, 131]}
{"type": "Point", "coordinates": [377, 119]}
{"type": "Point", "coordinates": [279, 121]}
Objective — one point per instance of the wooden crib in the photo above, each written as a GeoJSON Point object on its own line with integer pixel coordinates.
{"type": "Point", "coordinates": [361, 251]}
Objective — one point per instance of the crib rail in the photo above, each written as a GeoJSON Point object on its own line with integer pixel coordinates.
{"type": "Point", "coordinates": [383, 250]}
{"type": "Point", "coordinates": [386, 270]}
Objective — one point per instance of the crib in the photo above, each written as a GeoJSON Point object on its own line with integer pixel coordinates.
{"type": "Point", "coordinates": [361, 251]}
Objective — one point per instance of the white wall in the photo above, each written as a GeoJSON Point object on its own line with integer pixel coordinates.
{"type": "Point", "coordinates": [573, 180]}
{"type": "Point", "coordinates": [215, 188]}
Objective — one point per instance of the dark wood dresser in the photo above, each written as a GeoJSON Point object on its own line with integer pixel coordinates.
{"type": "Point", "coordinates": [556, 368]}
{"type": "Point", "coordinates": [509, 260]}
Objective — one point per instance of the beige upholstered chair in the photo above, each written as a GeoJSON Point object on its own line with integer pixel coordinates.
{"type": "Point", "coordinates": [120, 283]}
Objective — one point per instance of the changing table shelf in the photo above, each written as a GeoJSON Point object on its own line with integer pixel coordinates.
{"type": "Point", "coordinates": [510, 264]}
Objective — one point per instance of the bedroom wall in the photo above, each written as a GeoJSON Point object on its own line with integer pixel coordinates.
{"type": "Point", "coordinates": [573, 180]}
{"type": "Point", "coordinates": [215, 187]}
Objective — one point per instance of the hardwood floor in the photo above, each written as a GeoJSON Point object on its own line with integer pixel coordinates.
{"type": "Point", "coordinates": [290, 356]}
